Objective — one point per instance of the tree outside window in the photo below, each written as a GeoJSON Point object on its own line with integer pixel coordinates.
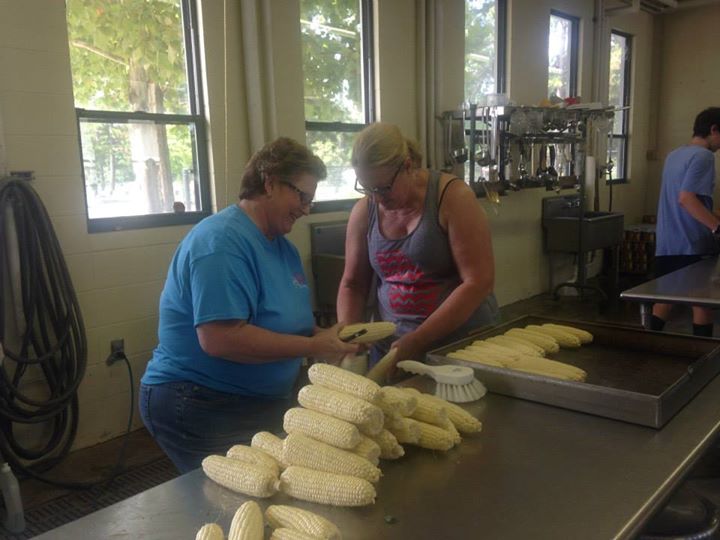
{"type": "Point", "coordinates": [562, 55]}
{"type": "Point", "coordinates": [338, 89]}
{"type": "Point", "coordinates": [481, 49]}
{"type": "Point", "coordinates": [139, 112]}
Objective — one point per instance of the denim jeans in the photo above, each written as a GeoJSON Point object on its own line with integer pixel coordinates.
{"type": "Point", "coordinates": [190, 422]}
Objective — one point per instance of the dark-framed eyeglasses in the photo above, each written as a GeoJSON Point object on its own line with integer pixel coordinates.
{"type": "Point", "coordinates": [305, 198]}
{"type": "Point", "coordinates": [381, 190]}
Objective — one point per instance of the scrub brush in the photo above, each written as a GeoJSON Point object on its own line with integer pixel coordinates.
{"type": "Point", "coordinates": [454, 383]}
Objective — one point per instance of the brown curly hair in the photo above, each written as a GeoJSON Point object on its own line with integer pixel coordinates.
{"type": "Point", "coordinates": [284, 157]}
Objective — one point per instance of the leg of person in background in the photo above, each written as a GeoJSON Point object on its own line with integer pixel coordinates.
{"type": "Point", "coordinates": [703, 319]}
{"type": "Point", "coordinates": [660, 314]}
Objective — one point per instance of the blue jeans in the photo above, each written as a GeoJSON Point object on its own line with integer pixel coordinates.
{"type": "Point", "coordinates": [190, 421]}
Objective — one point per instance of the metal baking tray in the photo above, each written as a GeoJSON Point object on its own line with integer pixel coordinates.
{"type": "Point", "coordinates": [633, 375]}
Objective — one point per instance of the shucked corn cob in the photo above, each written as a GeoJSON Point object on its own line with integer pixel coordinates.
{"type": "Point", "coordinates": [375, 331]}
{"type": "Point", "coordinates": [301, 450]}
{"type": "Point", "coordinates": [241, 477]}
{"type": "Point", "coordinates": [342, 380]}
{"type": "Point", "coordinates": [368, 449]}
{"type": "Point", "coordinates": [210, 531]}
{"type": "Point", "coordinates": [322, 427]}
{"type": "Point", "coordinates": [280, 515]}
{"type": "Point", "coordinates": [284, 533]}
{"type": "Point", "coordinates": [564, 339]}
{"type": "Point", "coordinates": [254, 456]}
{"type": "Point", "coordinates": [404, 429]}
{"type": "Point", "coordinates": [247, 523]}
{"type": "Point", "coordinates": [326, 488]}
{"type": "Point", "coordinates": [433, 437]}
{"type": "Point", "coordinates": [427, 411]}
{"type": "Point", "coordinates": [463, 420]}
{"type": "Point", "coordinates": [270, 444]}
{"type": "Point", "coordinates": [389, 446]}
{"type": "Point", "coordinates": [521, 345]}
{"type": "Point", "coordinates": [393, 400]}
{"type": "Point", "coordinates": [550, 345]}
{"type": "Point", "coordinates": [475, 356]}
{"type": "Point", "coordinates": [366, 416]}
{"type": "Point", "coordinates": [583, 335]}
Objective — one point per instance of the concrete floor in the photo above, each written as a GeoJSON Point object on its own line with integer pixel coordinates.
{"type": "Point", "coordinates": [94, 463]}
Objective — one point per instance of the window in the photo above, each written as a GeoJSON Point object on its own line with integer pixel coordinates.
{"type": "Point", "coordinates": [563, 44]}
{"type": "Point", "coordinates": [139, 109]}
{"type": "Point", "coordinates": [485, 31]}
{"type": "Point", "coordinates": [337, 64]}
{"type": "Point", "coordinates": [619, 97]}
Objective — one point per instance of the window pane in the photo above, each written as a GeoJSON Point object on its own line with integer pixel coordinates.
{"type": "Point", "coordinates": [616, 95]}
{"type": "Point", "coordinates": [480, 48]}
{"type": "Point", "coordinates": [332, 60]}
{"type": "Point", "coordinates": [559, 56]}
{"type": "Point", "coordinates": [128, 56]}
{"type": "Point", "coordinates": [617, 155]}
{"type": "Point", "coordinates": [334, 148]}
{"type": "Point", "coordinates": [139, 168]}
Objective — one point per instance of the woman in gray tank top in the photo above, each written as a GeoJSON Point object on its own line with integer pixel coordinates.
{"type": "Point", "coordinates": [423, 240]}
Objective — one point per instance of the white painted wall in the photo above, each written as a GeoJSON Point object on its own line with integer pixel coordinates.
{"type": "Point", "coordinates": [119, 275]}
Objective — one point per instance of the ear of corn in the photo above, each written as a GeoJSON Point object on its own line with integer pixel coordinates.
{"type": "Point", "coordinates": [564, 339]}
{"type": "Point", "coordinates": [367, 449]}
{"type": "Point", "coordinates": [496, 348]}
{"type": "Point", "coordinates": [366, 416]}
{"type": "Point", "coordinates": [241, 477]}
{"type": "Point", "coordinates": [454, 433]}
{"type": "Point", "coordinates": [270, 444]}
{"type": "Point", "coordinates": [550, 368]}
{"type": "Point", "coordinates": [433, 437]}
{"type": "Point", "coordinates": [280, 515]}
{"type": "Point", "coordinates": [521, 345]}
{"type": "Point", "coordinates": [301, 450]}
{"type": "Point", "coordinates": [432, 412]}
{"type": "Point", "coordinates": [256, 456]}
{"type": "Point", "coordinates": [475, 356]}
{"type": "Point", "coordinates": [284, 533]}
{"type": "Point", "coordinates": [210, 531]}
{"type": "Point", "coordinates": [375, 331]}
{"type": "Point", "coordinates": [389, 446]}
{"type": "Point", "coordinates": [247, 523]}
{"type": "Point", "coordinates": [322, 427]}
{"type": "Point", "coordinates": [326, 488]}
{"type": "Point", "coordinates": [405, 430]}
{"type": "Point", "coordinates": [463, 420]}
{"type": "Point", "coordinates": [379, 372]}
{"type": "Point", "coordinates": [546, 342]}
{"type": "Point", "coordinates": [393, 400]}
{"type": "Point", "coordinates": [342, 380]}
{"type": "Point", "coordinates": [583, 335]}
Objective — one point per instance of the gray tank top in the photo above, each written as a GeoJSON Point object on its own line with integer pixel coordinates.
{"type": "Point", "coordinates": [415, 274]}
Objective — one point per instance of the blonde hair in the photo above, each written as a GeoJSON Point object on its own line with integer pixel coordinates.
{"type": "Point", "coordinates": [382, 144]}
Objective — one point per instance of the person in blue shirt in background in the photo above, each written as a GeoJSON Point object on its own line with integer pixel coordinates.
{"type": "Point", "coordinates": [687, 228]}
{"type": "Point", "coordinates": [236, 317]}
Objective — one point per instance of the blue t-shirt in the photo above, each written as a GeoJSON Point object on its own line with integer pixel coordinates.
{"type": "Point", "coordinates": [226, 269]}
{"type": "Point", "coordinates": [688, 168]}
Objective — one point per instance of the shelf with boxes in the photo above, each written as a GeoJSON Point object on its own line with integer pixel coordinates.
{"type": "Point", "coordinates": [637, 252]}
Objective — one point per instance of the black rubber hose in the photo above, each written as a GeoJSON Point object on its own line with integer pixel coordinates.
{"type": "Point", "coordinates": [54, 340]}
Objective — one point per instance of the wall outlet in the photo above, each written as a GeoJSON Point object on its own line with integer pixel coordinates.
{"type": "Point", "coordinates": [117, 351]}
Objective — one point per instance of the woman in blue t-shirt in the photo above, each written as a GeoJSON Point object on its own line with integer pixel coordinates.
{"type": "Point", "coordinates": [236, 317]}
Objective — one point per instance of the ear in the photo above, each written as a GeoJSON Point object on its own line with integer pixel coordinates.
{"type": "Point", "coordinates": [269, 185]}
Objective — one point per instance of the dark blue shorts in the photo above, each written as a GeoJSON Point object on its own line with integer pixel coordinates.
{"type": "Point", "coordinates": [190, 421]}
{"type": "Point", "coordinates": [665, 264]}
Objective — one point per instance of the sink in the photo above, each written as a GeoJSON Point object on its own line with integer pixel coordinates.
{"type": "Point", "coordinates": [560, 221]}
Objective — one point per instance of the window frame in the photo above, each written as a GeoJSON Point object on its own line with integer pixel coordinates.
{"type": "Point", "coordinates": [626, 96]}
{"type": "Point", "coordinates": [501, 38]}
{"type": "Point", "coordinates": [574, 48]}
{"type": "Point", "coordinates": [367, 55]}
{"type": "Point", "coordinates": [195, 119]}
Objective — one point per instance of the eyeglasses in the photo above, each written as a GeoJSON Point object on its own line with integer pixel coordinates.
{"type": "Point", "coordinates": [381, 190]}
{"type": "Point", "coordinates": [305, 198]}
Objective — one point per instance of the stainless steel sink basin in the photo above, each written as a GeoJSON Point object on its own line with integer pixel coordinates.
{"type": "Point", "coordinates": [560, 221]}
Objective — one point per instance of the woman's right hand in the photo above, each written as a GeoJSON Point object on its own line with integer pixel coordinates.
{"type": "Point", "coordinates": [328, 347]}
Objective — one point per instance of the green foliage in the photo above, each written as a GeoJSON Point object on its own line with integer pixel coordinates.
{"type": "Point", "coordinates": [331, 48]}
{"type": "Point", "coordinates": [480, 48]}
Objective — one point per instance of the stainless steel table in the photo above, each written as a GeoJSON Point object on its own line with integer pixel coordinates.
{"type": "Point", "coordinates": [694, 285]}
{"type": "Point", "coordinates": [535, 471]}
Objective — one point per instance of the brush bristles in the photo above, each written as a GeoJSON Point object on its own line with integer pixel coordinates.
{"type": "Point", "coordinates": [461, 393]}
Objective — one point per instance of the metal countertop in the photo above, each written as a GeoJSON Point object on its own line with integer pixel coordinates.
{"type": "Point", "coordinates": [696, 285]}
{"type": "Point", "coordinates": [536, 471]}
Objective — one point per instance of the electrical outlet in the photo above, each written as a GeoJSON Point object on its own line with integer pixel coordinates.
{"type": "Point", "coordinates": [117, 351]}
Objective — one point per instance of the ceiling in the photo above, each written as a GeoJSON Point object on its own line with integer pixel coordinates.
{"type": "Point", "coordinates": [657, 7]}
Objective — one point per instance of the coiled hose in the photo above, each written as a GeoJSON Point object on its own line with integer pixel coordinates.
{"type": "Point", "coordinates": [40, 325]}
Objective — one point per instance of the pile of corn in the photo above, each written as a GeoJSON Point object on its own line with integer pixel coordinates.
{"type": "Point", "coordinates": [345, 425]}
{"type": "Point", "coordinates": [524, 349]}
{"type": "Point", "coordinates": [287, 522]}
